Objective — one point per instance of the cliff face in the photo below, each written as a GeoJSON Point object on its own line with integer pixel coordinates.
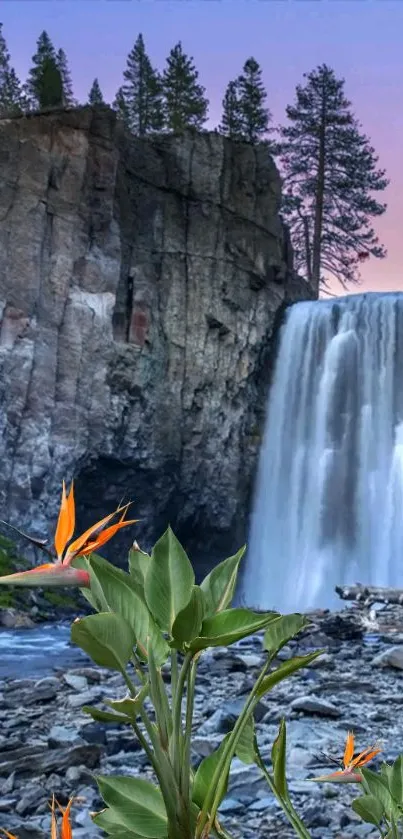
{"type": "Point", "coordinates": [140, 281]}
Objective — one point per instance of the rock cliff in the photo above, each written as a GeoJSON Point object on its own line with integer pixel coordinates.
{"type": "Point", "coordinates": [140, 282]}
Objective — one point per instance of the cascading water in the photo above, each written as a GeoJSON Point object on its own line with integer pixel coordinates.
{"type": "Point", "coordinates": [329, 501]}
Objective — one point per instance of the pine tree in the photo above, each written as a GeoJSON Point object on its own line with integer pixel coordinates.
{"type": "Point", "coordinates": [95, 95]}
{"type": "Point", "coordinates": [45, 51]}
{"type": "Point", "coordinates": [231, 122]}
{"type": "Point", "coordinates": [62, 63]}
{"type": "Point", "coordinates": [121, 107]}
{"type": "Point", "coordinates": [330, 175]}
{"type": "Point", "coordinates": [49, 85]}
{"type": "Point", "coordinates": [255, 116]}
{"type": "Point", "coordinates": [141, 92]}
{"type": "Point", "coordinates": [185, 105]}
{"type": "Point", "coordinates": [11, 97]}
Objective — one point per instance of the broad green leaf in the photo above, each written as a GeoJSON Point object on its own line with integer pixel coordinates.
{"type": "Point", "coordinates": [205, 772]}
{"type": "Point", "coordinates": [377, 785]}
{"type": "Point", "coordinates": [396, 780]}
{"type": "Point", "coordinates": [138, 804]}
{"type": "Point", "coordinates": [129, 706]}
{"type": "Point", "coordinates": [106, 638]}
{"type": "Point", "coordinates": [108, 820]}
{"type": "Point", "coordinates": [123, 598]}
{"type": "Point", "coordinates": [369, 809]}
{"type": "Point", "coordinates": [282, 630]}
{"type": "Point", "coordinates": [219, 585]}
{"type": "Point", "coordinates": [94, 594]}
{"type": "Point", "coordinates": [285, 669]}
{"type": "Point", "coordinates": [245, 747]}
{"type": "Point", "coordinates": [169, 580]}
{"type": "Point", "coordinates": [229, 626]}
{"type": "Point", "coordinates": [139, 562]}
{"type": "Point", "coordinates": [188, 622]}
{"type": "Point", "coordinates": [278, 759]}
{"type": "Point", "coordinates": [104, 716]}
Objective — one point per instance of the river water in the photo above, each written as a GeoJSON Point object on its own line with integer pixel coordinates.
{"type": "Point", "coordinates": [38, 652]}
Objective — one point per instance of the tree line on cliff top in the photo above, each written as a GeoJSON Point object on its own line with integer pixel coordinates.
{"type": "Point", "coordinates": [329, 168]}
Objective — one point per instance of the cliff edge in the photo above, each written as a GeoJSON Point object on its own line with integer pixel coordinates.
{"type": "Point", "coordinates": [140, 282]}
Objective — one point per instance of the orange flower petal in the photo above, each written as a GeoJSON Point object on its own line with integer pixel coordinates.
{"type": "Point", "coordinates": [349, 750]}
{"type": "Point", "coordinates": [53, 826]}
{"type": "Point", "coordinates": [7, 834]}
{"type": "Point", "coordinates": [342, 777]}
{"type": "Point", "coordinates": [66, 830]}
{"type": "Point", "coordinates": [365, 757]}
{"type": "Point", "coordinates": [50, 574]}
{"type": "Point", "coordinates": [66, 521]}
{"type": "Point", "coordinates": [103, 537]}
{"type": "Point", "coordinates": [91, 538]}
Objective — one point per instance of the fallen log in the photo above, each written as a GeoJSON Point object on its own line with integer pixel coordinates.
{"type": "Point", "coordinates": [370, 594]}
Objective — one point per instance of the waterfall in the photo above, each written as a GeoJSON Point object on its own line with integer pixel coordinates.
{"type": "Point", "coordinates": [329, 497]}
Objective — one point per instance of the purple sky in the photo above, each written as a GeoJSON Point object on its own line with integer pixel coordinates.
{"type": "Point", "coordinates": [360, 39]}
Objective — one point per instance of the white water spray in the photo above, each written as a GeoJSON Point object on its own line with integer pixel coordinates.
{"type": "Point", "coordinates": [329, 500]}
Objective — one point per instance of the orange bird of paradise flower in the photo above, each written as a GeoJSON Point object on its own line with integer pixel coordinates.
{"type": "Point", "coordinates": [351, 763]}
{"type": "Point", "coordinates": [65, 827]}
{"type": "Point", "coordinates": [60, 571]}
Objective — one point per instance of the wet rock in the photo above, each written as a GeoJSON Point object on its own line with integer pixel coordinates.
{"type": "Point", "coordinates": [393, 657]}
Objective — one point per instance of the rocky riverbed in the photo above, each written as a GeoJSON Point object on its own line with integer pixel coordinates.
{"type": "Point", "coordinates": [47, 744]}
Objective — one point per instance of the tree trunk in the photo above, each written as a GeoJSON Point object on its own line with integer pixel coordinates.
{"type": "Point", "coordinates": [308, 256]}
{"type": "Point", "coordinates": [370, 594]}
{"type": "Point", "coordinates": [319, 201]}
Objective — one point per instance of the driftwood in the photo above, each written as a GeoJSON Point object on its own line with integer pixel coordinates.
{"type": "Point", "coordinates": [370, 594]}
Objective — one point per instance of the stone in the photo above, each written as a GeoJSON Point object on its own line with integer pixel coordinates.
{"type": "Point", "coordinates": [12, 619]}
{"type": "Point", "coordinates": [393, 657]}
{"type": "Point", "coordinates": [75, 681]}
{"type": "Point", "coordinates": [61, 735]}
{"type": "Point", "coordinates": [313, 705]}
{"type": "Point", "coordinates": [150, 273]}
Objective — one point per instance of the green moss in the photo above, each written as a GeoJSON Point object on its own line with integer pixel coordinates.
{"type": "Point", "coordinates": [63, 601]}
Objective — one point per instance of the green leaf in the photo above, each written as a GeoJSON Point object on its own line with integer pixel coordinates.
{"type": "Point", "coordinates": [106, 638]}
{"type": "Point", "coordinates": [245, 747]}
{"type": "Point", "coordinates": [123, 598]}
{"type": "Point", "coordinates": [104, 716]}
{"type": "Point", "coordinates": [229, 626]}
{"type": "Point", "coordinates": [108, 820]}
{"type": "Point", "coordinates": [129, 706]}
{"type": "Point", "coordinates": [94, 594]}
{"type": "Point", "coordinates": [188, 622]}
{"type": "Point", "coordinates": [278, 759]}
{"type": "Point", "coordinates": [286, 668]}
{"type": "Point", "coordinates": [396, 780]}
{"type": "Point", "coordinates": [169, 580]}
{"type": "Point", "coordinates": [205, 772]}
{"type": "Point", "coordinates": [282, 630]}
{"type": "Point", "coordinates": [138, 804]}
{"type": "Point", "coordinates": [377, 785]}
{"type": "Point", "coordinates": [369, 809]}
{"type": "Point", "coordinates": [160, 701]}
{"type": "Point", "coordinates": [139, 562]}
{"type": "Point", "coordinates": [219, 585]}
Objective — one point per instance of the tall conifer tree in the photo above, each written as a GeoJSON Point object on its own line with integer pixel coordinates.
{"type": "Point", "coordinates": [231, 122]}
{"type": "Point", "coordinates": [62, 63]}
{"type": "Point", "coordinates": [185, 104]}
{"type": "Point", "coordinates": [141, 103]}
{"type": "Point", "coordinates": [11, 96]}
{"type": "Point", "coordinates": [42, 59]}
{"type": "Point", "coordinates": [330, 177]}
{"type": "Point", "coordinates": [95, 96]}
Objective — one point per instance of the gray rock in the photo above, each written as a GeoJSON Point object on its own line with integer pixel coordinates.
{"type": "Point", "coordinates": [158, 299]}
{"type": "Point", "coordinates": [314, 705]}
{"type": "Point", "coordinates": [75, 681]}
{"type": "Point", "coordinates": [61, 735]}
{"type": "Point", "coordinates": [393, 657]}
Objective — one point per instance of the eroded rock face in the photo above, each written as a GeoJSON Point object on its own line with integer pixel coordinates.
{"type": "Point", "coordinates": [140, 283]}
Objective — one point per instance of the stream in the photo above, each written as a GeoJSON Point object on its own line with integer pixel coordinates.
{"type": "Point", "coordinates": [38, 652]}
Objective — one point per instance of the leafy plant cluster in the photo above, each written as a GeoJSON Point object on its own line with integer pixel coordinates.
{"type": "Point", "coordinates": [144, 618]}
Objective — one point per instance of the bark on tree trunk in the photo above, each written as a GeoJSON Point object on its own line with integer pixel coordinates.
{"type": "Point", "coordinates": [320, 190]}
{"type": "Point", "coordinates": [370, 594]}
